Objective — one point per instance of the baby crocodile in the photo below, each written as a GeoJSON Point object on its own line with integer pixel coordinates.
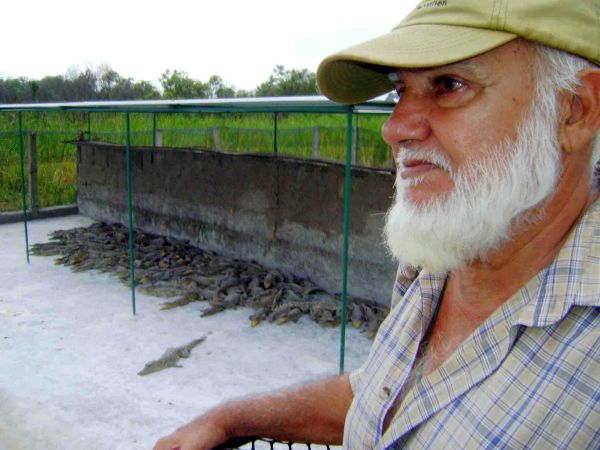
{"type": "Point", "coordinates": [170, 357]}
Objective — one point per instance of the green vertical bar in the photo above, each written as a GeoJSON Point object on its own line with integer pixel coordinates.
{"type": "Point", "coordinates": [346, 232]}
{"type": "Point", "coordinates": [129, 208]}
{"type": "Point", "coordinates": [23, 197]}
{"type": "Point", "coordinates": [153, 129]}
{"type": "Point", "coordinates": [275, 134]}
{"type": "Point", "coordinates": [89, 130]}
{"type": "Point", "coordinates": [357, 138]}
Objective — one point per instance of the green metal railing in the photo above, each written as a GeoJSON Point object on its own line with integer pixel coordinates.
{"type": "Point", "coordinates": [275, 106]}
{"type": "Point", "coordinates": [23, 199]}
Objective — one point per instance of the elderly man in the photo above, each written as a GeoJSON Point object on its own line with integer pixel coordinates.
{"type": "Point", "coordinates": [494, 335]}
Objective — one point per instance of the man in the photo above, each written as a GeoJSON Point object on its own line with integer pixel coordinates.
{"type": "Point", "coordinates": [494, 335]}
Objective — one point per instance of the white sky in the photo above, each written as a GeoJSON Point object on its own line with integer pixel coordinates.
{"type": "Point", "coordinates": [239, 40]}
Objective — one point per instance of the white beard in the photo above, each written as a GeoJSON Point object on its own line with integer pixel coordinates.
{"type": "Point", "coordinates": [491, 199]}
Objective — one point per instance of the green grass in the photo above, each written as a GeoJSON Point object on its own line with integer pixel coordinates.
{"type": "Point", "coordinates": [251, 132]}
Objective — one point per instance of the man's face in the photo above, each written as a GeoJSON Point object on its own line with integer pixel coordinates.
{"type": "Point", "coordinates": [462, 111]}
{"type": "Point", "coordinates": [476, 150]}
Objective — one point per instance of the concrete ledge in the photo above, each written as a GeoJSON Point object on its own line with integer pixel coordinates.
{"type": "Point", "coordinates": [279, 211]}
{"type": "Point", "coordinates": [42, 213]}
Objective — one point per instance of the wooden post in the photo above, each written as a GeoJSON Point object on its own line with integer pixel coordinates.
{"type": "Point", "coordinates": [355, 157]}
{"type": "Point", "coordinates": [32, 171]}
{"type": "Point", "coordinates": [158, 137]}
{"type": "Point", "coordinates": [216, 139]}
{"type": "Point", "coordinates": [315, 142]}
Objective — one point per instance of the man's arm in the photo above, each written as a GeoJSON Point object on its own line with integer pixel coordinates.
{"type": "Point", "coordinates": [312, 413]}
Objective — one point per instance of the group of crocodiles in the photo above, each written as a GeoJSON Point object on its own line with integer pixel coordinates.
{"type": "Point", "coordinates": [169, 267]}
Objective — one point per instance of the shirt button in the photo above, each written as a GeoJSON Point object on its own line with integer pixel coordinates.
{"type": "Point", "coordinates": [385, 393]}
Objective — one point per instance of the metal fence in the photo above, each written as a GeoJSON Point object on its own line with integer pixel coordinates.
{"type": "Point", "coordinates": [15, 135]}
{"type": "Point", "coordinates": [49, 132]}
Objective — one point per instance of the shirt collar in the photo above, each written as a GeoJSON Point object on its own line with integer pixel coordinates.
{"type": "Point", "coordinates": [572, 279]}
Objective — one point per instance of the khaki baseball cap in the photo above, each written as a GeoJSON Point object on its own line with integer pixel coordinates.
{"type": "Point", "coordinates": [439, 32]}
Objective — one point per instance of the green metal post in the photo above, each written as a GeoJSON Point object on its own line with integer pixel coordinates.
{"type": "Point", "coordinates": [346, 233]}
{"type": "Point", "coordinates": [23, 198]}
{"type": "Point", "coordinates": [89, 121]}
{"type": "Point", "coordinates": [129, 208]}
{"type": "Point", "coordinates": [356, 139]}
{"type": "Point", "coordinates": [153, 129]}
{"type": "Point", "coordinates": [275, 134]}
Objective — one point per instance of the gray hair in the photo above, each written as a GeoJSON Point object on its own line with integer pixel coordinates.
{"type": "Point", "coordinates": [558, 71]}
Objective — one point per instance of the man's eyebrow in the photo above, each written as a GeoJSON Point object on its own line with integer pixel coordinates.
{"type": "Point", "coordinates": [396, 75]}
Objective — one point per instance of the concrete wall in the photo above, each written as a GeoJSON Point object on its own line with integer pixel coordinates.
{"type": "Point", "coordinates": [281, 212]}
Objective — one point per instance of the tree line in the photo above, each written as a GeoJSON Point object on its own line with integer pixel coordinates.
{"type": "Point", "coordinates": [104, 83]}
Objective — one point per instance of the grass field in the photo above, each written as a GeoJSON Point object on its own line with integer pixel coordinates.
{"type": "Point", "coordinates": [248, 132]}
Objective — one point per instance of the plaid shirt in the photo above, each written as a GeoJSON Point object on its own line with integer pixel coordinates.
{"type": "Point", "coordinates": [528, 377]}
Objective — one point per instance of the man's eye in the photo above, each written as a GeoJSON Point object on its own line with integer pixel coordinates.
{"type": "Point", "coordinates": [447, 85]}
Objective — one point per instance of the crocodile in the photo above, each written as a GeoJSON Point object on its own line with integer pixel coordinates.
{"type": "Point", "coordinates": [170, 357]}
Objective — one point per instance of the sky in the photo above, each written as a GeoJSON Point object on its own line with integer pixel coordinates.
{"type": "Point", "coordinates": [70, 351]}
{"type": "Point", "coordinates": [239, 40]}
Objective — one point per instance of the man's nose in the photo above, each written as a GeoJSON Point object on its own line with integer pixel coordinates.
{"type": "Point", "coordinates": [409, 122]}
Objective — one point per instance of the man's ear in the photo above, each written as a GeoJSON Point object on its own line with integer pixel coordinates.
{"type": "Point", "coordinates": [580, 112]}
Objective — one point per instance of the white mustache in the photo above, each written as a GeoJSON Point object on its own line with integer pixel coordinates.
{"type": "Point", "coordinates": [430, 155]}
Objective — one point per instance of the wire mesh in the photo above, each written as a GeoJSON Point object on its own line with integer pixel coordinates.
{"type": "Point", "coordinates": [271, 444]}
{"type": "Point", "coordinates": [10, 187]}
{"type": "Point", "coordinates": [57, 131]}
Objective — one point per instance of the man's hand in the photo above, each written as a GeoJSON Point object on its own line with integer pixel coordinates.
{"type": "Point", "coordinates": [200, 434]}
{"type": "Point", "coordinates": [312, 413]}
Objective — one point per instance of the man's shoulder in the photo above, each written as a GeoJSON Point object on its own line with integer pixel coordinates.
{"type": "Point", "coordinates": [576, 270]}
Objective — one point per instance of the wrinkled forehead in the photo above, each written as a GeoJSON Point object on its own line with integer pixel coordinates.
{"type": "Point", "coordinates": [469, 66]}
{"type": "Point", "coordinates": [518, 53]}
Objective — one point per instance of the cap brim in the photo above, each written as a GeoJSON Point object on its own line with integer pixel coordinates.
{"type": "Point", "coordinates": [360, 73]}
